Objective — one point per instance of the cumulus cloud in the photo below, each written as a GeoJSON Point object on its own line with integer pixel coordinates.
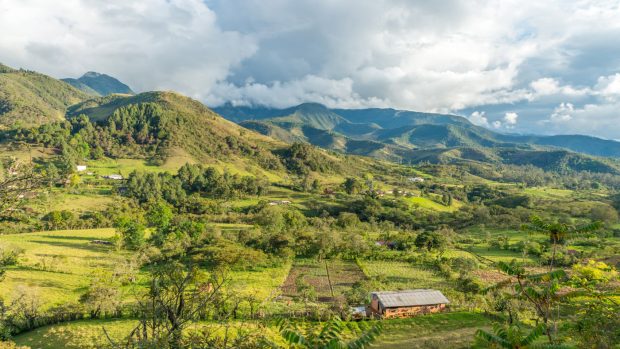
{"type": "Point", "coordinates": [562, 113]}
{"type": "Point", "coordinates": [609, 87]}
{"type": "Point", "coordinates": [151, 44]}
{"type": "Point", "coordinates": [545, 86]}
{"type": "Point", "coordinates": [457, 56]}
{"type": "Point", "coordinates": [511, 118]}
{"type": "Point", "coordinates": [479, 119]}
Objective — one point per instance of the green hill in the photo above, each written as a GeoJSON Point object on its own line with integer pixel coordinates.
{"type": "Point", "coordinates": [98, 84]}
{"type": "Point", "coordinates": [158, 123]}
{"type": "Point", "coordinates": [413, 136]}
{"type": "Point", "coordinates": [411, 129]}
{"type": "Point", "coordinates": [28, 98]}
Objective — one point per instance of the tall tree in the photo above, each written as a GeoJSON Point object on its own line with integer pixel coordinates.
{"type": "Point", "coordinates": [558, 232]}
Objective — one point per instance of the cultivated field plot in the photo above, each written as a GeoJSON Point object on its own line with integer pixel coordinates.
{"type": "Point", "coordinates": [402, 276]}
{"type": "Point", "coordinates": [342, 275]}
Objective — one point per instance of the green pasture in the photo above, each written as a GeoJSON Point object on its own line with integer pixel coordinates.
{"type": "Point", "coordinates": [402, 275]}
{"type": "Point", "coordinates": [445, 330]}
{"type": "Point", "coordinates": [57, 266]}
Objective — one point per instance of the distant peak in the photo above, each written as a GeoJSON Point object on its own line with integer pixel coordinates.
{"type": "Point", "coordinates": [311, 106]}
{"type": "Point", "coordinates": [92, 74]}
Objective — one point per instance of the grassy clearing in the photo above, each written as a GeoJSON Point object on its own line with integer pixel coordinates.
{"type": "Point", "coordinates": [73, 202]}
{"type": "Point", "coordinates": [263, 284]}
{"type": "Point", "coordinates": [78, 334]}
{"type": "Point", "coordinates": [57, 265]}
{"type": "Point", "coordinates": [548, 193]}
{"type": "Point", "coordinates": [498, 255]}
{"type": "Point", "coordinates": [402, 275]}
{"type": "Point", "coordinates": [418, 201]}
{"type": "Point", "coordinates": [447, 330]}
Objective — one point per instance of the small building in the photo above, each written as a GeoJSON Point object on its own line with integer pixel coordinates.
{"type": "Point", "coordinates": [415, 179]}
{"type": "Point", "coordinates": [115, 177]}
{"type": "Point", "coordinates": [80, 168]}
{"type": "Point", "coordinates": [280, 202]}
{"type": "Point", "coordinates": [407, 303]}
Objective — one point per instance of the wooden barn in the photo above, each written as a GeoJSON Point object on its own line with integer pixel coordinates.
{"type": "Point", "coordinates": [408, 303]}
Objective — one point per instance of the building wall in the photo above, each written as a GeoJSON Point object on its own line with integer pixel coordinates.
{"type": "Point", "coordinates": [404, 312]}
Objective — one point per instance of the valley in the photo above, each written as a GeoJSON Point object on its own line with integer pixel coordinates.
{"type": "Point", "coordinates": [151, 220]}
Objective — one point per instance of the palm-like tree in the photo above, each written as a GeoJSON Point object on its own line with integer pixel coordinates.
{"type": "Point", "coordinates": [513, 337]}
{"type": "Point", "coordinates": [329, 335]}
{"type": "Point", "coordinates": [540, 290]}
{"type": "Point", "coordinates": [559, 232]}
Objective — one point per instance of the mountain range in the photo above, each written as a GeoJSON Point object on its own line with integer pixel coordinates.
{"type": "Point", "coordinates": [409, 136]}
{"type": "Point", "coordinates": [30, 99]}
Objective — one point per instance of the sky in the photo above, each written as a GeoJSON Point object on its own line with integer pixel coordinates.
{"type": "Point", "coordinates": [544, 67]}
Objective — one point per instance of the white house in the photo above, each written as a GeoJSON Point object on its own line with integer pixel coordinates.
{"type": "Point", "coordinates": [415, 179]}
{"type": "Point", "coordinates": [81, 168]}
{"type": "Point", "coordinates": [116, 177]}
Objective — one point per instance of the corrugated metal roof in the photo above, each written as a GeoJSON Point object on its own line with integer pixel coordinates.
{"type": "Point", "coordinates": [409, 298]}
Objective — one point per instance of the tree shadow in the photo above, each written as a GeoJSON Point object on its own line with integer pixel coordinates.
{"type": "Point", "coordinates": [81, 246]}
{"type": "Point", "coordinates": [69, 237]}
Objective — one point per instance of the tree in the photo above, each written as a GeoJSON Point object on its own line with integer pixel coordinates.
{"type": "Point", "coordinates": [178, 293]}
{"type": "Point", "coordinates": [558, 232]}
{"type": "Point", "coordinates": [160, 215]}
{"type": "Point", "coordinates": [103, 296]}
{"type": "Point", "coordinates": [15, 181]}
{"type": "Point", "coordinates": [352, 185]}
{"type": "Point", "coordinates": [132, 231]}
{"type": "Point", "coordinates": [328, 335]}
{"type": "Point", "coordinates": [430, 241]}
{"type": "Point", "coordinates": [541, 291]}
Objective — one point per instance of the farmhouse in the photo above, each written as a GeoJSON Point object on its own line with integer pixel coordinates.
{"type": "Point", "coordinates": [115, 177]}
{"type": "Point", "coordinates": [279, 202]}
{"type": "Point", "coordinates": [408, 303]}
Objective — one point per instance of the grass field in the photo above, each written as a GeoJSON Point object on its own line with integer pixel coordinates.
{"type": "Point", "coordinates": [447, 330]}
{"type": "Point", "coordinates": [57, 266]}
{"type": "Point", "coordinates": [402, 275]}
{"type": "Point", "coordinates": [418, 201]}
{"type": "Point", "coordinates": [79, 334]}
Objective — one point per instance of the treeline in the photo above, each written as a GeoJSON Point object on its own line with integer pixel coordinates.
{"type": "Point", "coordinates": [191, 180]}
{"type": "Point", "coordinates": [139, 130]}
{"type": "Point", "coordinates": [302, 158]}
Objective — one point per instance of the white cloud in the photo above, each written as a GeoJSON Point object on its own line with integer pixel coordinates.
{"type": "Point", "coordinates": [152, 44]}
{"type": "Point", "coordinates": [562, 113]}
{"type": "Point", "coordinates": [496, 124]}
{"type": "Point", "coordinates": [511, 118]}
{"type": "Point", "coordinates": [609, 86]}
{"type": "Point", "coordinates": [285, 94]}
{"type": "Point", "coordinates": [591, 119]}
{"type": "Point", "coordinates": [545, 86]}
{"type": "Point", "coordinates": [479, 118]}
{"type": "Point", "coordinates": [443, 56]}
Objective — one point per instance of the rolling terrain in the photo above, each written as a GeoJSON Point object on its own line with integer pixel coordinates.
{"type": "Point", "coordinates": [29, 98]}
{"type": "Point", "coordinates": [415, 137]}
{"type": "Point", "coordinates": [98, 84]}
